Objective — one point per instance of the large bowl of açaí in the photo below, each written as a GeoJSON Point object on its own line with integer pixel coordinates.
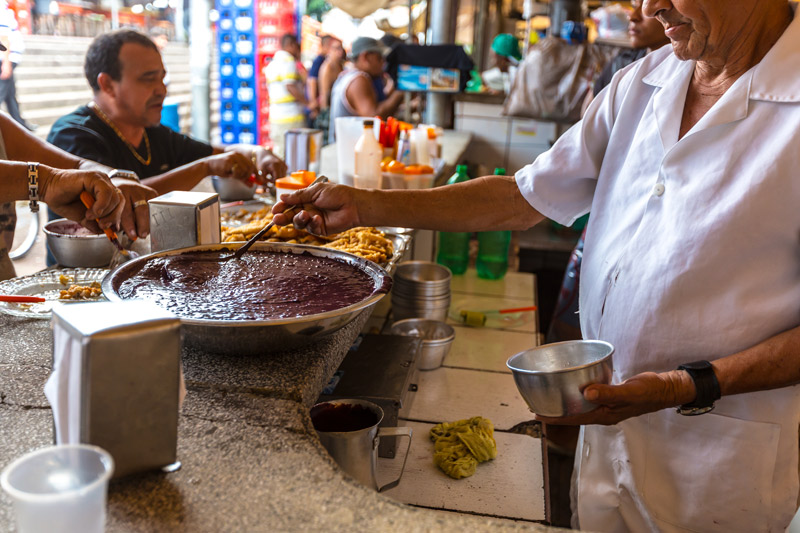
{"type": "Point", "coordinates": [274, 298]}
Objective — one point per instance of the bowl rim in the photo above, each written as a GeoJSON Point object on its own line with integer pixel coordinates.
{"type": "Point", "coordinates": [375, 271]}
{"type": "Point", "coordinates": [449, 338]}
{"type": "Point", "coordinates": [516, 369]}
{"type": "Point", "coordinates": [49, 232]}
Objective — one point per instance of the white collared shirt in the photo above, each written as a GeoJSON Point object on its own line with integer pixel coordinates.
{"type": "Point", "coordinates": [692, 252]}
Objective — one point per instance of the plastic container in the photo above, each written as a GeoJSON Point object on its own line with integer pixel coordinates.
{"type": "Point", "coordinates": [492, 260]}
{"type": "Point", "coordinates": [368, 155]}
{"type": "Point", "coordinates": [60, 489]}
{"type": "Point", "coordinates": [454, 247]}
{"type": "Point", "coordinates": [299, 179]}
{"type": "Point", "coordinates": [348, 130]}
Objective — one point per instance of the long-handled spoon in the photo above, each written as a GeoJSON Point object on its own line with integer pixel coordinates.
{"type": "Point", "coordinates": [246, 246]}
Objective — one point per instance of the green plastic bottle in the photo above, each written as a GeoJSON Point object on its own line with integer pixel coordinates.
{"type": "Point", "coordinates": [454, 247]}
{"type": "Point", "coordinates": [492, 261]}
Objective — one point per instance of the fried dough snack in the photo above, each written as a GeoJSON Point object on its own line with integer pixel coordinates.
{"type": "Point", "coordinates": [369, 243]}
{"type": "Point", "coordinates": [81, 292]}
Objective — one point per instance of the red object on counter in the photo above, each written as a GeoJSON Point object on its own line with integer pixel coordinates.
{"type": "Point", "coordinates": [21, 299]}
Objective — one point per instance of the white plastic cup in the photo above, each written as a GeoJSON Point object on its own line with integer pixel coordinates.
{"type": "Point", "coordinates": [348, 130]}
{"type": "Point", "coordinates": [60, 489]}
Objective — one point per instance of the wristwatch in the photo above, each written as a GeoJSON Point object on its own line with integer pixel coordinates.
{"type": "Point", "coordinates": [124, 174]}
{"type": "Point", "coordinates": [708, 391]}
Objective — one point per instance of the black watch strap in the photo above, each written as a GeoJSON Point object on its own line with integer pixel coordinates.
{"type": "Point", "coordinates": [708, 391]}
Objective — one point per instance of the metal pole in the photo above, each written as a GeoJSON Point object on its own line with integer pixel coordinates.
{"type": "Point", "coordinates": [114, 14]}
{"type": "Point", "coordinates": [199, 62]}
{"type": "Point", "coordinates": [479, 35]}
{"type": "Point", "coordinates": [441, 14]}
{"type": "Point", "coordinates": [407, 95]}
{"type": "Point", "coordinates": [180, 28]}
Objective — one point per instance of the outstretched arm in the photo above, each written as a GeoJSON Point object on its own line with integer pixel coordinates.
{"type": "Point", "coordinates": [488, 203]}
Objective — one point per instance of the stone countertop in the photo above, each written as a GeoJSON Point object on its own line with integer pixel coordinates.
{"type": "Point", "coordinates": [251, 460]}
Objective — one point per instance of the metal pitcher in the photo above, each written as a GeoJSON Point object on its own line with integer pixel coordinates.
{"type": "Point", "coordinates": [303, 149]}
{"type": "Point", "coordinates": [356, 451]}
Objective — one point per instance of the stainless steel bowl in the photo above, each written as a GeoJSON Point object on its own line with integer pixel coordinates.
{"type": "Point", "coordinates": [73, 247]}
{"type": "Point", "coordinates": [425, 274]}
{"type": "Point", "coordinates": [551, 378]}
{"type": "Point", "coordinates": [254, 337]}
{"type": "Point", "coordinates": [437, 337]}
{"type": "Point", "coordinates": [231, 190]}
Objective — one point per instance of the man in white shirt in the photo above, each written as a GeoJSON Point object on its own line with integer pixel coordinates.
{"type": "Point", "coordinates": [286, 96]}
{"type": "Point", "coordinates": [688, 162]}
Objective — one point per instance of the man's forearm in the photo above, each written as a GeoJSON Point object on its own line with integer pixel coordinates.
{"type": "Point", "coordinates": [296, 90]}
{"type": "Point", "coordinates": [478, 205]}
{"type": "Point", "coordinates": [14, 185]}
{"type": "Point", "coordinates": [771, 364]}
{"type": "Point", "coordinates": [182, 178]}
{"type": "Point", "coordinates": [390, 105]}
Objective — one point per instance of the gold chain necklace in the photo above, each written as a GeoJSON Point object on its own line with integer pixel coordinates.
{"type": "Point", "coordinates": [114, 127]}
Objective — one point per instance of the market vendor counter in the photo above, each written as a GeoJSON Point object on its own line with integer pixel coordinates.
{"type": "Point", "coordinates": [251, 460]}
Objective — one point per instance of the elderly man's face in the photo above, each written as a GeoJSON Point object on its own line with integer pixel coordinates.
{"type": "Point", "coordinates": [699, 29]}
{"type": "Point", "coordinates": [140, 92]}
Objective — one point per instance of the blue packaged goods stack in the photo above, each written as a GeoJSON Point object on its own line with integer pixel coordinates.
{"type": "Point", "coordinates": [236, 35]}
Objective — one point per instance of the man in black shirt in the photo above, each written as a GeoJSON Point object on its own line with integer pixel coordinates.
{"type": "Point", "coordinates": [121, 126]}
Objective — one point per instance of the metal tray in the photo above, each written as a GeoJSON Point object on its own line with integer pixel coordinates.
{"type": "Point", "coordinates": [400, 237]}
{"type": "Point", "coordinates": [254, 337]}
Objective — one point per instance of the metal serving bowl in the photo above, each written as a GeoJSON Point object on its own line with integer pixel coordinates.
{"type": "Point", "coordinates": [254, 337]}
{"type": "Point", "coordinates": [230, 189]}
{"type": "Point", "coordinates": [73, 246]}
{"type": "Point", "coordinates": [437, 337]}
{"type": "Point", "coordinates": [551, 378]}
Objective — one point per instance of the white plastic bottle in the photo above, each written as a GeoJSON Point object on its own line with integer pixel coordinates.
{"type": "Point", "coordinates": [368, 154]}
{"type": "Point", "coordinates": [419, 140]}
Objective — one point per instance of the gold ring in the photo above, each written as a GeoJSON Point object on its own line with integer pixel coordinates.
{"type": "Point", "coordinates": [139, 203]}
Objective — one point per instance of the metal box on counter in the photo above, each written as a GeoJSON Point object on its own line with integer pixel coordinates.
{"type": "Point", "coordinates": [116, 381]}
{"type": "Point", "coordinates": [180, 219]}
{"type": "Point", "coordinates": [380, 369]}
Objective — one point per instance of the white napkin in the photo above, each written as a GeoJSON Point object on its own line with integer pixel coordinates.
{"type": "Point", "coordinates": [63, 388]}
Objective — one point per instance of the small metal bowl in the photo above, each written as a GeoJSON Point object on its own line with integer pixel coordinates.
{"type": "Point", "coordinates": [437, 337]}
{"type": "Point", "coordinates": [73, 245]}
{"type": "Point", "coordinates": [551, 378]}
{"type": "Point", "coordinates": [231, 190]}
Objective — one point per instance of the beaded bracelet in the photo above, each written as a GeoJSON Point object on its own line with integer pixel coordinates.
{"type": "Point", "coordinates": [33, 186]}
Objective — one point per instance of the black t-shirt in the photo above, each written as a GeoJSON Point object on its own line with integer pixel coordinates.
{"type": "Point", "coordinates": [84, 134]}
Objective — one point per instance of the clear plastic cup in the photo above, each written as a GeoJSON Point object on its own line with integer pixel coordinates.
{"type": "Point", "coordinates": [60, 489]}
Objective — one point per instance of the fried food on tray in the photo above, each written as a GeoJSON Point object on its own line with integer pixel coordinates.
{"type": "Point", "coordinates": [81, 292]}
{"type": "Point", "coordinates": [369, 243]}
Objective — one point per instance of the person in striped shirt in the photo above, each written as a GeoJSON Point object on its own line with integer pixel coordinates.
{"type": "Point", "coordinates": [286, 97]}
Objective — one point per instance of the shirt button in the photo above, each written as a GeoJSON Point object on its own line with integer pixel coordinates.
{"type": "Point", "coordinates": [659, 189]}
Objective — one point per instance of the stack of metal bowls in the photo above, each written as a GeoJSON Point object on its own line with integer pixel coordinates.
{"type": "Point", "coordinates": [421, 290]}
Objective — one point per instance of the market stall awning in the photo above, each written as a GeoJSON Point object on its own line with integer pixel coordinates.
{"type": "Point", "coordinates": [359, 8]}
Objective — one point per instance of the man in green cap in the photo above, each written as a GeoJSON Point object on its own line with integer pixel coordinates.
{"type": "Point", "coordinates": [506, 55]}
